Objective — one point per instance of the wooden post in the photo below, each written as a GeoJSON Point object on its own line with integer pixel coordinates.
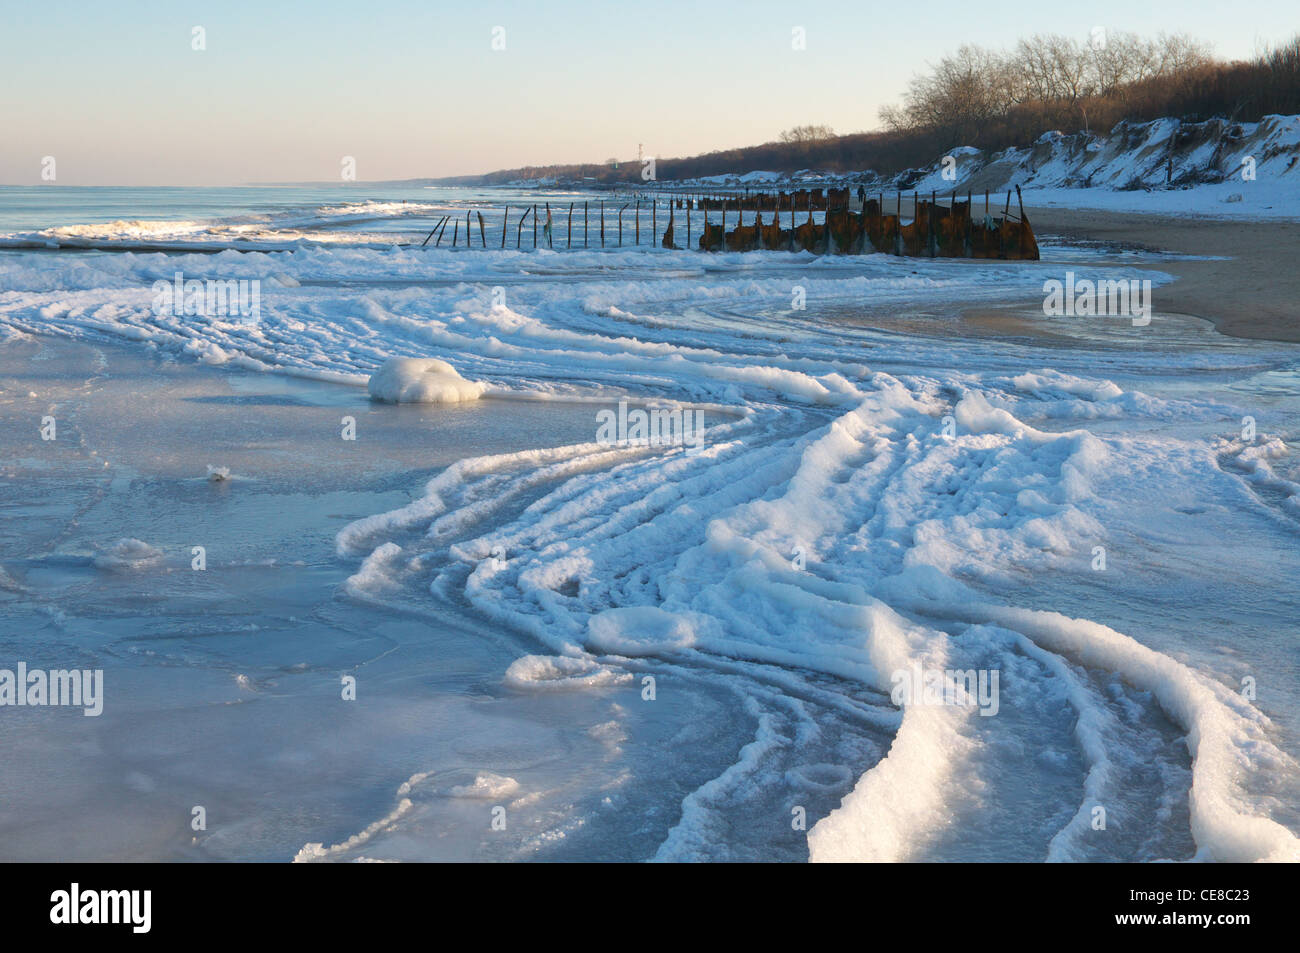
{"type": "Point", "coordinates": [602, 223]}
{"type": "Point", "coordinates": [654, 226]}
{"type": "Point", "coordinates": [481, 233]}
{"type": "Point", "coordinates": [467, 229]}
{"type": "Point", "coordinates": [970, 223]}
{"type": "Point", "coordinates": [455, 236]}
{"type": "Point", "coordinates": [637, 213]}
{"type": "Point", "coordinates": [929, 221]}
{"type": "Point", "coordinates": [505, 224]}
{"type": "Point", "coordinates": [724, 224]}
{"type": "Point", "coordinates": [688, 224]}
{"type": "Point", "coordinates": [435, 228]}
{"type": "Point", "coordinates": [584, 224]}
{"type": "Point", "coordinates": [570, 224]}
{"type": "Point", "coordinates": [519, 231]}
{"type": "Point", "coordinates": [534, 224]}
{"type": "Point", "coordinates": [550, 234]}
{"type": "Point", "coordinates": [620, 225]}
{"type": "Point", "coordinates": [1021, 203]}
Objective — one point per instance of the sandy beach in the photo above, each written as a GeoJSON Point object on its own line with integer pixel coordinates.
{"type": "Point", "coordinates": [1249, 288]}
{"type": "Point", "coordinates": [1239, 275]}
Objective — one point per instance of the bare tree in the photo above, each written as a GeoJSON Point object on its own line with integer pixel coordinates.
{"type": "Point", "coordinates": [1072, 76]}
{"type": "Point", "coordinates": [807, 134]}
{"type": "Point", "coordinates": [959, 96]}
{"type": "Point", "coordinates": [894, 118]}
{"type": "Point", "coordinates": [1033, 61]}
{"type": "Point", "coordinates": [1046, 78]}
{"type": "Point", "coordinates": [1119, 59]}
{"type": "Point", "coordinates": [1178, 52]}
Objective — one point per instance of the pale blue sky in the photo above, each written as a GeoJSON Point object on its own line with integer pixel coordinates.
{"type": "Point", "coordinates": [283, 91]}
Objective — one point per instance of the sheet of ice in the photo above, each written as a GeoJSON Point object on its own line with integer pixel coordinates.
{"type": "Point", "coordinates": [873, 496]}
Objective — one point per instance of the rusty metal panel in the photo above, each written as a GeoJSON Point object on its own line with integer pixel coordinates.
{"type": "Point", "coordinates": [937, 230]}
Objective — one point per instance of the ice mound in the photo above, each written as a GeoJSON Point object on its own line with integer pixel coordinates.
{"type": "Point", "coordinates": [422, 380]}
{"type": "Point", "coordinates": [128, 555]}
{"type": "Point", "coordinates": [639, 630]}
{"type": "Point", "coordinates": [378, 571]}
{"type": "Point", "coordinates": [486, 785]}
{"type": "Point", "coordinates": [547, 672]}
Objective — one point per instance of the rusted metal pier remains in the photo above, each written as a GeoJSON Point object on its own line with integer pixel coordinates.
{"type": "Point", "coordinates": [740, 223]}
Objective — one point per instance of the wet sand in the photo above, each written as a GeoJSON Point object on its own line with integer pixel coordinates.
{"type": "Point", "coordinates": [1254, 293]}
{"type": "Point", "coordinates": [1248, 288]}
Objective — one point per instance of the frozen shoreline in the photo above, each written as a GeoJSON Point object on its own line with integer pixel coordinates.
{"type": "Point", "coordinates": [223, 686]}
{"type": "Point", "coordinates": [946, 492]}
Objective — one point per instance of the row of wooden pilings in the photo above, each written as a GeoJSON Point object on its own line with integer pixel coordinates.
{"type": "Point", "coordinates": [934, 230]}
{"type": "Point", "coordinates": [440, 228]}
{"type": "Point", "coordinates": [698, 203]}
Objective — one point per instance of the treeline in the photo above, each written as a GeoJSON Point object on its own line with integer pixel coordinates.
{"type": "Point", "coordinates": [994, 100]}
{"type": "Point", "coordinates": [883, 151]}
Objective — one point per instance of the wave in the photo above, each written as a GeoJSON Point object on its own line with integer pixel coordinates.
{"type": "Point", "coordinates": [284, 228]}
